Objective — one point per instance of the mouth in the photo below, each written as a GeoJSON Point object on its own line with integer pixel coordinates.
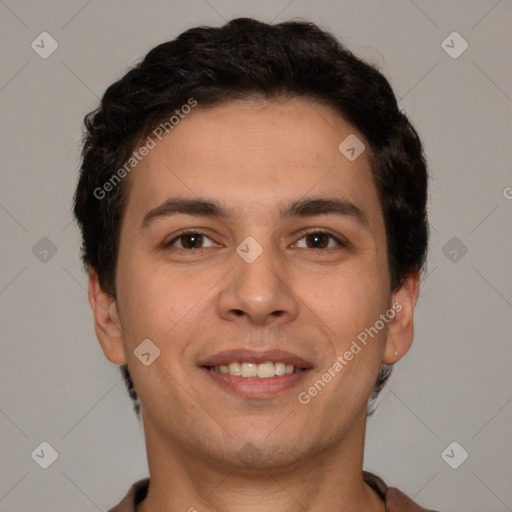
{"type": "Point", "coordinates": [256, 374]}
{"type": "Point", "coordinates": [247, 370]}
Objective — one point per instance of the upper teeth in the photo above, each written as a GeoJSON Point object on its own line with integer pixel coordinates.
{"type": "Point", "coordinates": [261, 371]}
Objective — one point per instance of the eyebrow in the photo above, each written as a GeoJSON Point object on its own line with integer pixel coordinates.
{"type": "Point", "coordinates": [203, 207]}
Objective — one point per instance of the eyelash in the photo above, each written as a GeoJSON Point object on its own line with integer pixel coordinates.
{"type": "Point", "coordinates": [340, 243]}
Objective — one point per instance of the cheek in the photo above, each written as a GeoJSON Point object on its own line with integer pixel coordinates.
{"type": "Point", "coordinates": [351, 306]}
{"type": "Point", "coordinates": [161, 303]}
{"type": "Point", "coordinates": [348, 301]}
{"type": "Point", "coordinates": [167, 308]}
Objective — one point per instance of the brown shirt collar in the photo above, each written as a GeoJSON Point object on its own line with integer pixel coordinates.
{"type": "Point", "coordinates": [395, 500]}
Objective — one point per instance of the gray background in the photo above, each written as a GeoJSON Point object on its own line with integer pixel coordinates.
{"type": "Point", "coordinates": [454, 385]}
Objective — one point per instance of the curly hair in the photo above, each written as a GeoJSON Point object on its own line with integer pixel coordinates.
{"type": "Point", "coordinates": [246, 58]}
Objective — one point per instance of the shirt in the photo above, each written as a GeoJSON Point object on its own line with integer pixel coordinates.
{"type": "Point", "coordinates": [395, 500]}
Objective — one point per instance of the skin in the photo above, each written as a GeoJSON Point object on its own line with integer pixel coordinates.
{"type": "Point", "coordinates": [254, 156]}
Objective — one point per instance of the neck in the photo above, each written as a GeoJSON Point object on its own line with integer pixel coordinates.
{"type": "Point", "coordinates": [330, 480]}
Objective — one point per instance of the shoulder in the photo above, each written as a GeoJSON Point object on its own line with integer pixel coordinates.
{"type": "Point", "coordinates": [396, 501]}
{"type": "Point", "coordinates": [136, 494]}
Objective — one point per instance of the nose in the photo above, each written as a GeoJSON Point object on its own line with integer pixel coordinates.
{"type": "Point", "coordinates": [259, 292]}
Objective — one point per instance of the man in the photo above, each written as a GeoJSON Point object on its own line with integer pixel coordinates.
{"type": "Point", "coordinates": [253, 211]}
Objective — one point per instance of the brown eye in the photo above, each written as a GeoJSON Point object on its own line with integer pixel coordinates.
{"type": "Point", "coordinates": [189, 241]}
{"type": "Point", "coordinates": [319, 240]}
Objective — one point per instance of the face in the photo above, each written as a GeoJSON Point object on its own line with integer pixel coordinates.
{"type": "Point", "coordinates": [253, 256]}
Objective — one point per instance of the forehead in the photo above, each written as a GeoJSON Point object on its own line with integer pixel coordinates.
{"type": "Point", "coordinates": [254, 154]}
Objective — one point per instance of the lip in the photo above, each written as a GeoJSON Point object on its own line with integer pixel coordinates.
{"type": "Point", "coordinates": [250, 387]}
{"type": "Point", "coordinates": [255, 388]}
{"type": "Point", "coordinates": [252, 356]}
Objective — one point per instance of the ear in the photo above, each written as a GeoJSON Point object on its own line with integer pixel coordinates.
{"type": "Point", "coordinates": [106, 320]}
{"type": "Point", "coordinates": [401, 327]}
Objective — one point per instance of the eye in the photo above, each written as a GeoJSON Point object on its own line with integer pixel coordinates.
{"type": "Point", "coordinates": [319, 240]}
{"type": "Point", "coordinates": [190, 240]}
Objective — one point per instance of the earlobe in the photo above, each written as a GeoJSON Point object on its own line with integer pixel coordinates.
{"type": "Point", "coordinates": [401, 328]}
{"type": "Point", "coordinates": [106, 320]}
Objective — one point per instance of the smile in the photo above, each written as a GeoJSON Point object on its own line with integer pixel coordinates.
{"type": "Point", "coordinates": [264, 370]}
{"type": "Point", "coordinates": [255, 374]}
